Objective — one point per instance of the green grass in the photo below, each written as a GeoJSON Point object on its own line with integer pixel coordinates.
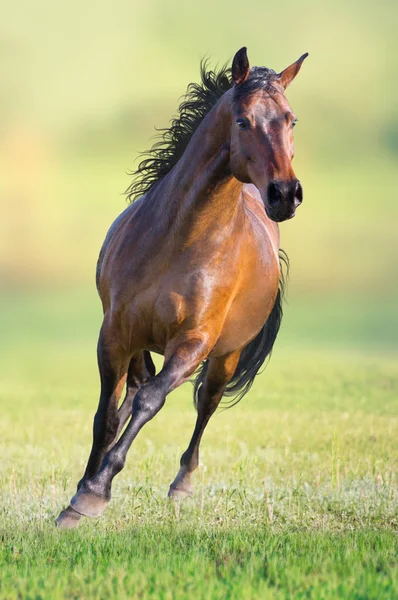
{"type": "Point", "coordinates": [176, 560]}
{"type": "Point", "coordinates": [295, 496]}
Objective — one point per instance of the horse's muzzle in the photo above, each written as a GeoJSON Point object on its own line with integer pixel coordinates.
{"type": "Point", "coordinates": [283, 197]}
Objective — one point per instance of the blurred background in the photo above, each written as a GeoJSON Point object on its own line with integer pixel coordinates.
{"type": "Point", "coordinates": [82, 86]}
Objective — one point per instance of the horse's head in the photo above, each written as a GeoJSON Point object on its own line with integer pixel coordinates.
{"type": "Point", "coordinates": [262, 135]}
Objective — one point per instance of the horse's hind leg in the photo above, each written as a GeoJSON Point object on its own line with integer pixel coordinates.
{"type": "Point", "coordinates": [94, 494]}
{"type": "Point", "coordinates": [112, 364]}
{"type": "Point", "coordinates": [219, 373]}
{"type": "Point", "coordinates": [141, 369]}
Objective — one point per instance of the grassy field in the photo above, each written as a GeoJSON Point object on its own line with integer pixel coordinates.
{"type": "Point", "coordinates": [296, 495]}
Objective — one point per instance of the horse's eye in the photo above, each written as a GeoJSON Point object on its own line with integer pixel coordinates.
{"type": "Point", "coordinates": [294, 122]}
{"type": "Point", "coordinates": [243, 123]}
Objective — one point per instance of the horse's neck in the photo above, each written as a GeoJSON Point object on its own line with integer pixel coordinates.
{"type": "Point", "coordinates": [201, 185]}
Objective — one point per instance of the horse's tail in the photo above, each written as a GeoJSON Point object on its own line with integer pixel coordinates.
{"type": "Point", "coordinates": [255, 353]}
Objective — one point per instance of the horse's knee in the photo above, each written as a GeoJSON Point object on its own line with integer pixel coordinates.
{"type": "Point", "coordinates": [148, 401]}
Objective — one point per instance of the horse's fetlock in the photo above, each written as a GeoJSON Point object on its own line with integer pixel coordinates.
{"type": "Point", "coordinates": [117, 462]}
{"type": "Point", "coordinates": [185, 459]}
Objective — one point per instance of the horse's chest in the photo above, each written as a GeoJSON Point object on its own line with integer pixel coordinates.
{"type": "Point", "coordinates": [230, 300]}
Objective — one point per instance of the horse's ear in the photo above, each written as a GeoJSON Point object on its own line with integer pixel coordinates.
{"type": "Point", "coordinates": [287, 76]}
{"type": "Point", "coordinates": [240, 66]}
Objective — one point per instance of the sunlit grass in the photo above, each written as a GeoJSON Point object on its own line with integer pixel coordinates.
{"type": "Point", "coordinates": [296, 492]}
{"type": "Point", "coordinates": [295, 496]}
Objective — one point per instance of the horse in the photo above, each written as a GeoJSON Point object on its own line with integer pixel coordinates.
{"type": "Point", "coordinates": [192, 268]}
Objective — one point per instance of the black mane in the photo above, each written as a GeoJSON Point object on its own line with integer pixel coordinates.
{"type": "Point", "coordinates": [196, 104]}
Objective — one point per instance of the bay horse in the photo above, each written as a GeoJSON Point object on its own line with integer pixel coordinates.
{"type": "Point", "coordinates": [192, 269]}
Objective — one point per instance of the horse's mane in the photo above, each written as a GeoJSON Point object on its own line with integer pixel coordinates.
{"type": "Point", "coordinates": [197, 102]}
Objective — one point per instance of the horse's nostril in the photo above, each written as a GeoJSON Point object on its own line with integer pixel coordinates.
{"type": "Point", "coordinates": [298, 194]}
{"type": "Point", "coordinates": [274, 193]}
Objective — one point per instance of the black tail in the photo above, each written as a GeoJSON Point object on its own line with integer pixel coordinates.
{"type": "Point", "coordinates": [254, 354]}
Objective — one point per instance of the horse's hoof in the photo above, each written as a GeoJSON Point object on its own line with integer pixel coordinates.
{"type": "Point", "coordinates": [180, 493]}
{"type": "Point", "coordinates": [87, 503]}
{"type": "Point", "coordinates": [68, 519]}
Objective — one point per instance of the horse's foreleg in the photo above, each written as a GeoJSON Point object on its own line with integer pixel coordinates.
{"type": "Point", "coordinates": [112, 366]}
{"type": "Point", "coordinates": [94, 494]}
{"type": "Point", "coordinates": [219, 373]}
{"type": "Point", "coordinates": [113, 371]}
{"type": "Point", "coordinates": [107, 430]}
